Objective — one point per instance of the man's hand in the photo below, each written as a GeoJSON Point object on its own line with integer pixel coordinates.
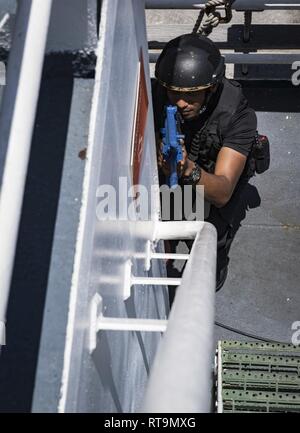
{"type": "Point", "coordinates": [163, 165]}
{"type": "Point", "coordinates": [186, 166]}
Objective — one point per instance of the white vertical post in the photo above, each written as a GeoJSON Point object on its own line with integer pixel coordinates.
{"type": "Point", "coordinates": [16, 125]}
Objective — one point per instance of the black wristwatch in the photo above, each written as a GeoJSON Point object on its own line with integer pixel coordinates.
{"type": "Point", "coordinates": [194, 177]}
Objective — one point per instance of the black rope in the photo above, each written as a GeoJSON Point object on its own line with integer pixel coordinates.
{"type": "Point", "coordinates": [213, 17]}
{"type": "Point", "coordinates": [199, 21]}
{"type": "Point", "coordinates": [248, 334]}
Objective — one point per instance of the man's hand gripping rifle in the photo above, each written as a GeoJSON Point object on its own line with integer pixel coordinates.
{"type": "Point", "coordinates": [172, 149]}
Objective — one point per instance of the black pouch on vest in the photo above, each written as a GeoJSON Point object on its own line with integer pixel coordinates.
{"type": "Point", "coordinates": [261, 153]}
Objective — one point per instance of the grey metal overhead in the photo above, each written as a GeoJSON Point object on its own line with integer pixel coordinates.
{"type": "Point", "coordinates": [253, 58]}
{"type": "Point", "coordinates": [239, 5]}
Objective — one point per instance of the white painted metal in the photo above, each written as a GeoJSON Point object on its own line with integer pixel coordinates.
{"type": "Point", "coordinates": [131, 280]}
{"type": "Point", "coordinates": [173, 230]}
{"type": "Point", "coordinates": [142, 325]}
{"type": "Point", "coordinates": [158, 230]}
{"type": "Point", "coordinates": [16, 125]}
{"type": "Point", "coordinates": [219, 375]}
{"type": "Point", "coordinates": [150, 281]}
{"type": "Point", "coordinates": [101, 383]}
{"type": "Point", "coordinates": [181, 377]}
{"type": "Point", "coordinates": [100, 323]}
{"type": "Point", "coordinates": [104, 384]}
{"type": "Point", "coordinates": [180, 380]}
{"type": "Point", "coordinates": [143, 255]}
{"type": "Point", "coordinates": [152, 255]}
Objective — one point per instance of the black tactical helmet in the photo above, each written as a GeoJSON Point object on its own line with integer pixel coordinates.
{"type": "Point", "coordinates": [189, 63]}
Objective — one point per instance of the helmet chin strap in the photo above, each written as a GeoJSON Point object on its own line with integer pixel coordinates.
{"type": "Point", "coordinates": [202, 109]}
{"type": "Point", "coordinates": [205, 103]}
{"type": "Point", "coordinates": [208, 95]}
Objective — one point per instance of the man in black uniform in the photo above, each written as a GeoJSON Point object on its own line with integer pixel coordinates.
{"type": "Point", "coordinates": [218, 125]}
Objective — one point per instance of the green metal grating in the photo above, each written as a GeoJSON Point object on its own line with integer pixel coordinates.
{"type": "Point", "coordinates": [258, 377]}
{"type": "Point", "coordinates": [269, 347]}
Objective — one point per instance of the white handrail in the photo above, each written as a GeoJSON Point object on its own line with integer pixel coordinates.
{"type": "Point", "coordinates": [16, 125]}
{"type": "Point", "coordinates": [181, 377]}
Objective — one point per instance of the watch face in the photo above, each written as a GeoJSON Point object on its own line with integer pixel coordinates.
{"type": "Point", "coordinates": [196, 174]}
{"type": "Point", "coordinates": [194, 177]}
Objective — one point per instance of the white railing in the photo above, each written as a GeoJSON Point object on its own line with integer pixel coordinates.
{"type": "Point", "coordinates": [16, 125]}
{"type": "Point", "coordinates": [181, 376]}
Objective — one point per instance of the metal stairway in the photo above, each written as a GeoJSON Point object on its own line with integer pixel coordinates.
{"type": "Point", "coordinates": [258, 377]}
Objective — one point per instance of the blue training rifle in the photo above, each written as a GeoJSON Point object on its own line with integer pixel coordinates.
{"type": "Point", "coordinates": [172, 150]}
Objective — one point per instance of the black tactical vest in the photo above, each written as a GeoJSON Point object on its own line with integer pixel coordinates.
{"type": "Point", "coordinates": [207, 142]}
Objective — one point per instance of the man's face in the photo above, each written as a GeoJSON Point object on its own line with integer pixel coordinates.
{"type": "Point", "coordinates": [189, 103]}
